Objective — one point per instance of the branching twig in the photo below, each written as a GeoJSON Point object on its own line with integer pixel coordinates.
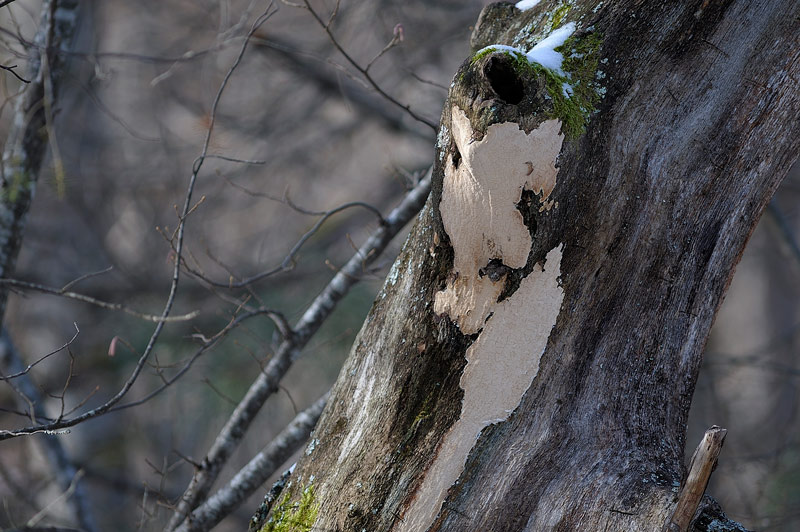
{"type": "Point", "coordinates": [365, 71]}
{"type": "Point", "coordinates": [307, 65]}
{"type": "Point", "coordinates": [397, 38]}
{"type": "Point", "coordinates": [65, 472]}
{"type": "Point", "coordinates": [288, 261]}
{"type": "Point", "coordinates": [42, 358]}
{"type": "Point", "coordinates": [178, 247]}
{"type": "Point", "coordinates": [12, 67]}
{"type": "Point", "coordinates": [268, 381]}
{"type": "Point", "coordinates": [208, 343]}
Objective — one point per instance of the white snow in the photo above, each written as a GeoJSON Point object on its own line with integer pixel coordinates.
{"type": "Point", "coordinates": [501, 48]}
{"type": "Point", "coordinates": [523, 5]}
{"type": "Point", "coordinates": [544, 52]}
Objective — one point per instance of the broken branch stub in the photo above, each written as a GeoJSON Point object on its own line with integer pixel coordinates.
{"type": "Point", "coordinates": [704, 461]}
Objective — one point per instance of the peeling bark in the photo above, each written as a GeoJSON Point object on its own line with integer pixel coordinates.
{"type": "Point", "coordinates": [578, 422]}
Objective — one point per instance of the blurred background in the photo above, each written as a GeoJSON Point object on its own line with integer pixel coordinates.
{"type": "Point", "coordinates": [132, 117]}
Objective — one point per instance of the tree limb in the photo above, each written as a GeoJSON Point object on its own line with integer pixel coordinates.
{"type": "Point", "coordinates": [256, 472]}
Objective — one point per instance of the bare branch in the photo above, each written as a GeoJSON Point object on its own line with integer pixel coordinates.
{"type": "Point", "coordinates": [256, 472]}
{"type": "Point", "coordinates": [87, 299]}
{"type": "Point", "coordinates": [704, 460]}
{"type": "Point", "coordinates": [42, 358]}
{"type": "Point", "coordinates": [28, 137]}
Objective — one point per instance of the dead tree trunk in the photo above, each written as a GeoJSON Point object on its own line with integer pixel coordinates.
{"type": "Point", "coordinates": [530, 361]}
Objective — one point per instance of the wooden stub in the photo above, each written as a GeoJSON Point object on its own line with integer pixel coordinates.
{"type": "Point", "coordinates": [704, 460]}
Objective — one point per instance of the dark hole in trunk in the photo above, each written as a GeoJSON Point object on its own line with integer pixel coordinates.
{"type": "Point", "coordinates": [503, 79]}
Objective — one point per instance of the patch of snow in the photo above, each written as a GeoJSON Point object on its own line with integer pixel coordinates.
{"type": "Point", "coordinates": [544, 52]}
{"type": "Point", "coordinates": [524, 5]}
{"type": "Point", "coordinates": [500, 48]}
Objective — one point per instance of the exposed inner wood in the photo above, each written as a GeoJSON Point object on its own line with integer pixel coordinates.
{"type": "Point", "coordinates": [479, 211]}
{"type": "Point", "coordinates": [489, 236]}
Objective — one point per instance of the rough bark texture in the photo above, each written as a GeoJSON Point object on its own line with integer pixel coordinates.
{"type": "Point", "coordinates": [695, 125]}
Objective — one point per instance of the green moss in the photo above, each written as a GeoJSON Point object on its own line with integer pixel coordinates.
{"type": "Point", "coordinates": [574, 105]}
{"type": "Point", "coordinates": [558, 17]}
{"type": "Point", "coordinates": [491, 49]}
{"type": "Point", "coordinates": [425, 410]}
{"type": "Point", "coordinates": [294, 517]}
{"type": "Point", "coordinates": [20, 184]}
{"type": "Point", "coordinates": [581, 59]}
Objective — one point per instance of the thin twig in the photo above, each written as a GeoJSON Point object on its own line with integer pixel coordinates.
{"type": "Point", "coordinates": [288, 261]}
{"type": "Point", "coordinates": [394, 42]}
{"type": "Point", "coordinates": [207, 344]}
{"type": "Point", "coordinates": [42, 358]}
{"type": "Point", "coordinates": [12, 67]}
{"type": "Point", "coordinates": [84, 277]}
{"type": "Point", "coordinates": [24, 285]}
{"type": "Point", "coordinates": [308, 64]}
{"type": "Point", "coordinates": [233, 159]}
{"type": "Point", "coordinates": [364, 72]}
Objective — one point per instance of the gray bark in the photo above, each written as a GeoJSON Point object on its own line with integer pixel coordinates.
{"type": "Point", "coordinates": [633, 245]}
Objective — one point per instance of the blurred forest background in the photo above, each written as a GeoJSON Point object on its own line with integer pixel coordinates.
{"type": "Point", "coordinates": [131, 119]}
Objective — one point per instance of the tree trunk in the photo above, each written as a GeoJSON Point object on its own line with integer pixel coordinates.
{"type": "Point", "coordinates": [531, 359]}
